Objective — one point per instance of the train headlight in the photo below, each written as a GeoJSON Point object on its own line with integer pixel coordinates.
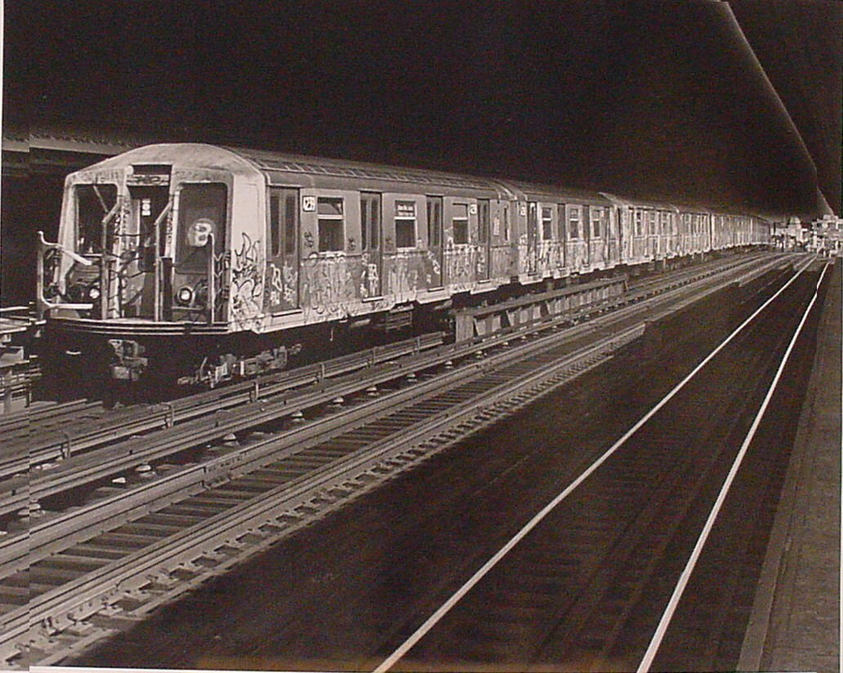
{"type": "Point", "coordinates": [184, 296]}
{"type": "Point", "coordinates": [93, 293]}
{"type": "Point", "coordinates": [76, 293]}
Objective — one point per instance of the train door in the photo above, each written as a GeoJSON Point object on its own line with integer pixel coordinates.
{"type": "Point", "coordinates": [586, 232]}
{"type": "Point", "coordinates": [198, 275]}
{"type": "Point", "coordinates": [148, 210]}
{"type": "Point", "coordinates": [532, 237]}
{"type": "Point", "coordinates": [483, 239]}
{"type": "Point", "coordinates": [562, 233]}
{"type": "Point", "coordinates": [98, 237]}
{"type": "Point", "coordinates": [370, 243]}
{"type": "Point", "coordinates": [434, 240]}
{"type": "Point", "coordinates": [282, 263]}
{"type": "Point", "coordinates": [509, 239]}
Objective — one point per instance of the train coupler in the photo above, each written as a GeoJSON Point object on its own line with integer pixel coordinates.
{"type": "Point", "coordinates": [127, 363]}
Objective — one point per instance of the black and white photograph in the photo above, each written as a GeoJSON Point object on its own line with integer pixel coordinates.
{"type": "Point", "coordinates": [421, 335]}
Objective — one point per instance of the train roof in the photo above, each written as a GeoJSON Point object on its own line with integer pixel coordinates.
{"type": "Point", "coordinates": [270, 166]}
{"type": "Point", "coordinates": [680, 206]}
{"type": "Point", "coordinates": [180, 155]}
{"type": "Point", "coordinates": [554, 193]}
{"type": "Point", "coordinates": [319, 169]}
{"type": "Point", "coordinates": [339, 168]}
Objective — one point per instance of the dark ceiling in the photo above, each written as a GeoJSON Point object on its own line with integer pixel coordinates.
{"type": "Point", "coordinates": [650, 98]}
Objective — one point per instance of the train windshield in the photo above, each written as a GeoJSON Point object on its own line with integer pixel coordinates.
{"type": "Point", "coordinates": [95, 204]}
{"type": "Point", "coordinates": [202, 210]}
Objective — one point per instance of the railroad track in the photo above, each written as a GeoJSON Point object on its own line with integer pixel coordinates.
{"type": "Point", "coordinates": [586, 590]}
{"type": "Point", "coordinates": [60, 431]}
{"type": "Point", "coordinates": [84, 561]}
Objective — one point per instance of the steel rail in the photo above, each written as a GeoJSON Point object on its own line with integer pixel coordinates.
{"type": "Point", "coordinates": [85, 594]}
{"type": "Point", "coordinates": [131, 421]}
{"type": "Point", "coordinates": [40, 540]}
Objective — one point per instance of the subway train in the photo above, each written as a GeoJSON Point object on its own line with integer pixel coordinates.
{"type": "Point", "coordinates": [202, 263]}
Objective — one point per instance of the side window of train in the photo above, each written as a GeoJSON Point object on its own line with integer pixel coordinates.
{"type": "Point", "coordinates": [331, 214]}
{"type": "Point", "coordinates": [405, 224]}
{"type": "Point", "coordinates": [639, 223]}
{"type": "Point", "coordinates": [93, 203]}
{"type": "Point", "coordinates": [574, 222]}
{"type": "Point", "coordinates": [460, 223]}
{"type": "Point", "coordinates": [283, 221]}
{"type": "Point", "coordinates": [202, 212]}
{"type": "Point", "coordinates": [547, 224]}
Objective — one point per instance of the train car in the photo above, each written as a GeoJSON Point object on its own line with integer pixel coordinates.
{"type": "Point", "coordinates": [564, 233]}
{"type": "Point", "coordinates": [204, 263]}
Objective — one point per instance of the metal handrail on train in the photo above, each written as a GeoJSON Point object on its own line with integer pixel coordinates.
{"type": "Point", "coordinates": [212, 290]}
{"type": "Point", "coordinates": [42, 303]}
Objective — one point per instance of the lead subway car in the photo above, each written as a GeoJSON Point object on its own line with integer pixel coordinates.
{"type": "Point", "coordinates": [204, 263]}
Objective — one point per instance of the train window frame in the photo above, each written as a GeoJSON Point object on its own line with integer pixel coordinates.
{"type": "Point", "coordinates": [435, 211]}
{"type": "Point", "coordinates": [330, 226]}
{"type": "Point", "coordinates": [596, 216]}
{"type": "Point", "coordinates": [94, 227]}
{"type": "Point", "coordinates": [639, 222]}
{"type": "Point", "coordinates": [484, 221]}
{"type": "Point", "coordinates": [547, 223]}
{"type": "Point", "coordinates": [405, 224]}
{"type": "Point", "coordinates": [506, 230]}
{"type": "Point", "coordinates": [651, 222]}
{"type": "Point", "coordinates": [274, 223]}
{"type": "Point", "coordinates": [560, 221]}
{"type": "Point", "coordinates": [371, 204]}
{"type": "Point", "coordinates": [664, 222]}
{"type": "Point", "coordinates": [185, 259]}
{"type": "Point", "coordinates": [284, 217]}
{"type": "Point", "coordinates": [574, 218]}
{"type": "Point", "coordinates": [459, 224]}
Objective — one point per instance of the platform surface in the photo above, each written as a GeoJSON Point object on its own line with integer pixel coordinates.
{"type": "Point", "coordinates": [12, 325]}
{"type": "Point", "coordinates": [795, 623]}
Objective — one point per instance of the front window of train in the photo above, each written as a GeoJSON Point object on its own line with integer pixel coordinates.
{"type": "Point", "coordinates": [95, 211]}
{"type": "Point", "coordinates": [94, 204]}
{"type": "Point", "coordinates": [201, 214]}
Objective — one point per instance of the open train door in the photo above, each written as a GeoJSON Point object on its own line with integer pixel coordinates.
{"type": "Point", "coordinates": [282, 262]}
{"type": "Point", "coordinates": [146, 291]}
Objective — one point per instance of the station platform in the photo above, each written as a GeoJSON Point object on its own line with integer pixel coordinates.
{"type": "Point", "coordinates": [17, 372]}
{"type": "Point", "coordinates": [795, 620]}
